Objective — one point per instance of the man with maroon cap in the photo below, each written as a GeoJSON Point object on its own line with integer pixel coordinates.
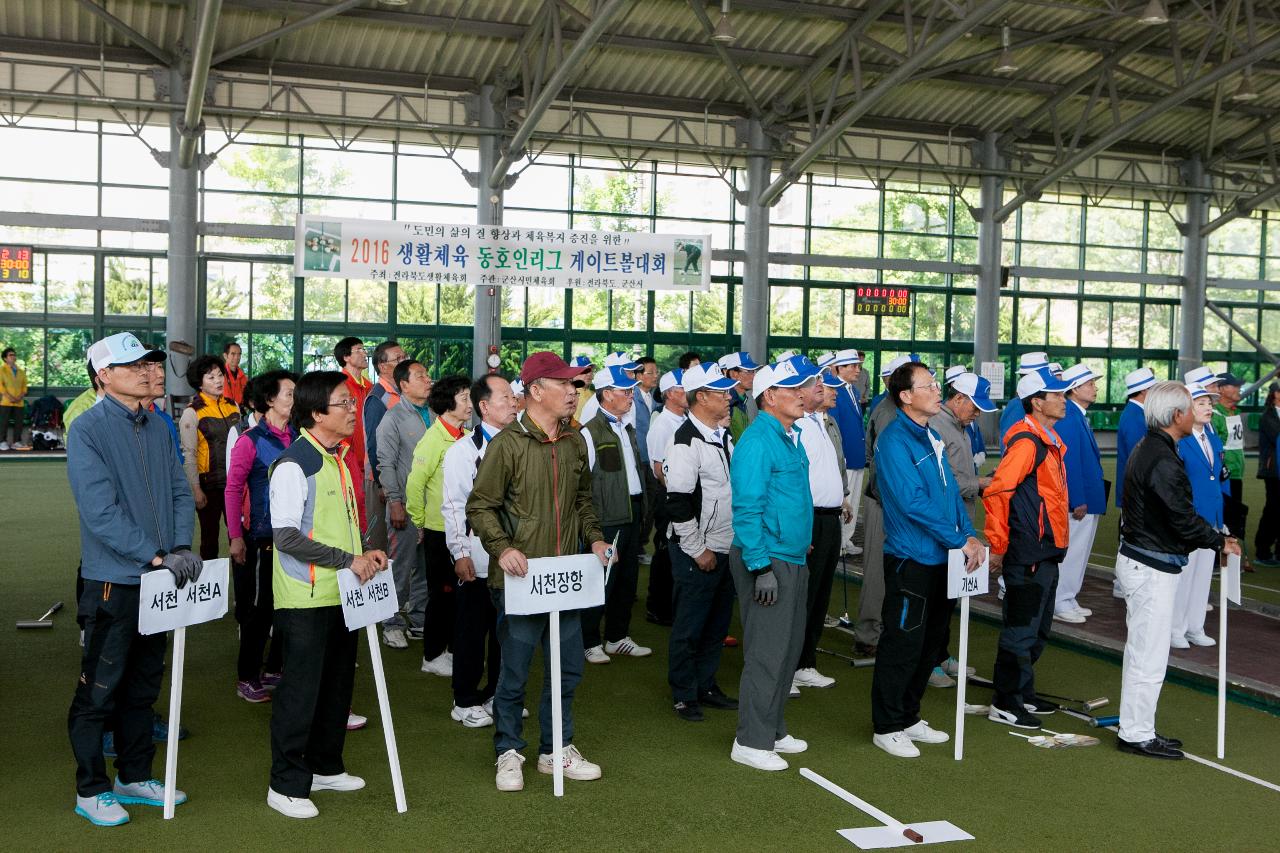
{"type": "Point", "coordinates": [532, 498]}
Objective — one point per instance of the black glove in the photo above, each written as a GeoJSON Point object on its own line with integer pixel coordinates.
{"type": "Point", "coordinates": [766, 589]}
{"type": "Point", "coordinates": [184, 565]}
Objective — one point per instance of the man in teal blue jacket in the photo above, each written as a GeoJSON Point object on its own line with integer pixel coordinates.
{"type": "Point", "coordinates": [772, 528]}
{"type": "Point", "coordinates": [924, 518]}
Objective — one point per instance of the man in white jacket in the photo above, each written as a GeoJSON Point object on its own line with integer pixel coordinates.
{"type": "Point", "coordinates": [696, 469]}
{"type": "Point", "coordinates": [476, 622]}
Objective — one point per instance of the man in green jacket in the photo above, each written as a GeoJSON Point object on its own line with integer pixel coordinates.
{"type": "Point", "coordinates": [1228, 423]}
{"type": "Point", "coordinates": [532, 498]}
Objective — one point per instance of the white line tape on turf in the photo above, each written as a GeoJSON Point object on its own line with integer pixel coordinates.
{"type": "Point", "coordinates": [1245, 776]}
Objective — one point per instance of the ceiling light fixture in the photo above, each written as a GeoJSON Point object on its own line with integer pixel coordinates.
{"type": "Point", "coordinates": [1006, 64]}
{"type": "Point", "coordinates": [724, 33]}
{"type": "Point", "coordinates": [1154, 13]}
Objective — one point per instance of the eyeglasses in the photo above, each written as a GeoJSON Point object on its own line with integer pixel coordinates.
{"type": "Point", "coordinates": [932, 385]}
{"type": "Point", "coordinates": [141, 367]}
{"type": "Point", "coordinates": [349, 404]}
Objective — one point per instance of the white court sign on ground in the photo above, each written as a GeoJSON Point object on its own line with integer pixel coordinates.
{"type": "Point", "coordinates": [964, 585]}
{"type": "Point", "coordinates": [163, 607]}
{"type": "Point", "coordinates": [499, 255]}
{"type": "Point", "coordinates": [556, 583]}
{"type": "Point", "coordinates": [367, 603]}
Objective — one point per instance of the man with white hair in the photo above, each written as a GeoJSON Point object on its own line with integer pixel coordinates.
{"type": "Point", "coordinates": [846, 365]}
{"type": "Point", "coordinates": [1086, 491]}
{"type": "Point", "coordinates": [662, 428]}
{"type": "Point", "coordinates": [630, 367]}
{"type": "Point", "coordinates": [1159, 527]}
{"type": "Point", "coordinates": [1030, 362]}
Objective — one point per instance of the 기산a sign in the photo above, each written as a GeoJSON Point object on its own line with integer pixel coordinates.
{"type": "Point", "coordinates": [499, 255]}
{"type": "Point", "coordinates": [556, 583]}
{"type": "Point", "coordinates": [163, 607]}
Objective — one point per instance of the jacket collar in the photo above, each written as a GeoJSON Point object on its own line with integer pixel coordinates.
{"type": "Point", "coordinates": [915, 430]}
{"type": "Point", "coordinates": [1164, 437]}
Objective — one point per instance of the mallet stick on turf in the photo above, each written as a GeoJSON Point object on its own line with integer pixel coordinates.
{"type": "Point", "coordinates": [44, 621]}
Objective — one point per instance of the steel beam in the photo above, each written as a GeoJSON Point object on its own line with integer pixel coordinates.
{"type": "Point", "coordinates": [184, 194]}
{"type": "Point", "coordinates": [859, 108]}
{"type": "Point", "coordinates": [192, 125]}
{"type": "Point", "coordinates": [489, 208]}
{"type": "Point", "coordinates": [1121, 129]}
{"type": "Point", "coordinates": [755, 268]}
{"type": "Point", "coordinates": [282, 31]}
{"type": "Point", "coordinates": [161, 55]}
{"type": "Point", "coordinates": [1242, 207]}
{"type": "Point", "coordinates": [551, 89]}
{"type": "Point", "coordinates": [1195, 258]}
{"type": "Point", "coordinates": [986, 321]}
{"type": "Point", "coordinates": [1225, 316]}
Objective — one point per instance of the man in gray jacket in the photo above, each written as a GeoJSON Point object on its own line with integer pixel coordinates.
{"type": "Point", "coordinates": [399, 432]}
{"type": "Point", "coordinates": [136, 514]}
{"type": "Point", "coordinates": [970, 395]}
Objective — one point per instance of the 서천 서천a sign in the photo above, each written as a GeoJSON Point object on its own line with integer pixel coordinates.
{"type": "Point", "coordinates": [498, 255]}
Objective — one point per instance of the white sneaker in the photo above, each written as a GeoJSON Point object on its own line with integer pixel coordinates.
{"type": "Point", "coordinates": [951, 667]}
{"type": "Point", "coordinates": [441, 665]}
{"type": "Point", "coordinates": [21, 446]}
{"type": "Point", "coordinates": [923, 733]}
{"type": "Point", "coordinates": [1208, 607]}
{"type": "Point", "coordinates": [4, 445]}
{"type": "Point", "coordinates": [394, 638]}
{"type": "Point", "coordinates": [897, 744]}
{"type": "Point", "coordinates": [596, 654]}
{"type": "Point", "coordinates": [1179, 643]}
{"type": "Point", "coordinates": [760, 759]}
{"type": "Point", "coordinates": [355, 721]}
{"type": "Point", "coordinates": [336, 782]}
{"type": "Point", "coordinates": [510, 775]}
{"type": "Point", "coordinates": [790, 745]}
{"type": "Point", "coordinates": [299, 807]}
{"type": "Point", "coordinates": [1200, 638]}
{"type": "Point", "coordinates": [1070, 616]}
{"type": "Point", "coordinates": [575, 766]}
{"type": "Point", "coordinates": [473, 717]}
{"type": "Point", "coordinates": [627, 647]}
{"type": "Point", "coordinates": [148, 793]}
{"type": "Point", "coordinates": [795, 691]}
{"type": "Point", "coordinates": [1116, 591]}
{"type": "Point", "coordinates": [102, 810]}
{"type": "Point", "coordinates": [810, 677]}
{"type": "Point", "coordinates": [1083, 611]}
{"type": "Point", "coordinates": [938, 678]}
{"type": "Point", "coordinates": [488, 709]}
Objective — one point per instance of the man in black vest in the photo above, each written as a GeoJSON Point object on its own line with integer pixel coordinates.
{"type": "Point", "coordinates": [617, 491]}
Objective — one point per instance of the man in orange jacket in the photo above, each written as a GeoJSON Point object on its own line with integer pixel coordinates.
{"type": "Point", "coordinates": [1026, 506]}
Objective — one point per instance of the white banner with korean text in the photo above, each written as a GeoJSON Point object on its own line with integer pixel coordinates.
{"type": "Point", "coordinates": [498, 255]}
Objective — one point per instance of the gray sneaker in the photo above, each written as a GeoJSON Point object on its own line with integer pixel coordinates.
{"type": "Point", "coordinates": [148, 793]}
{"type": "Point", "coordinates": [102, 810]}
{"type": "Point", "coordinates": [394, 638]}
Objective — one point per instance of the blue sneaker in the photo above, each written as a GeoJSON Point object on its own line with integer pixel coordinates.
{"type": "Point", "coordinates": [148, 793]}
{"type": "Point", "coordinates": [108, 745]}
{"type": "Point", "coordinates": [160, 730]}
{"type": "Point", "coordinates": [102, 810]}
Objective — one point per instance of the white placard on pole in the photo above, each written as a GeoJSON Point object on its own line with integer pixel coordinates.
{"type": "Point", "coordinates": [1228, 590]}
{"type": "Point", "coordinates": [553, 584]}
{"type": "Point", "coordinates": [964, 585]}
{"type": "Point", "coordinates": [367, 603]}
{"type": "Point", "coordinates": [384, 708]}
{"type": "Point", "coordinates": [164, 607]}
{"type": "Point", "coordinates": [1231, 578]}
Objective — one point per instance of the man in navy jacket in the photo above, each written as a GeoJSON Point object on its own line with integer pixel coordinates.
{"type": "Point", "coordinates": [846, 365]}
{"type": "Point", "coordinates": [1086, 491]}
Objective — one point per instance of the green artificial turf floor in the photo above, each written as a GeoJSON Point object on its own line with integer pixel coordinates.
{"type": "Point", "coordinates": [668, 785]}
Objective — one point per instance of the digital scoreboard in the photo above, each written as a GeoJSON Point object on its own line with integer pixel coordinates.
{"type": "Point", "coordinates": [16, 264]}
{"type": "Point", "coordinates": [882, 301]}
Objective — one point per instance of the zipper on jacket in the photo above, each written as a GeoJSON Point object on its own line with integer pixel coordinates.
{"type": "Point", "coordinates": [146, 478]}
{"type": "Point", "coordinates": [555, 492]}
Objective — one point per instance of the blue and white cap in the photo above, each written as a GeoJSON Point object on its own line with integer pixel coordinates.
{"type": "Point", "coordinates": [737, 361]}
{"type": "Point", "coordinates": [839, 359]}
{"type": "Point", "coordinates": [954, 372]}
{"type": "Point", "coordinates": [1055, 369]}
{"type": "Point", "coordinates": [783, 374]}
{"type": "Point", "coordinates": [830, 380]}
{"type": "Point", "coordinates": [1032, 361]}
{"type": "Point", "coordinates": [1137, 381]}
{"type": "Point", "coordinates": [671, 379]}
{"type": "Point", "coordinates": [122, 348]}
{"type": "Point", "coordinates": [785, 356]}
{"type": "Point", "coordinates": [804, 365]}
{"type": "Point", "coordinates": [825, 360]}
{"type": "Point", "coordinates": [976, 388]}
{"type": "Point", "coordinates": [582, 361]}
{"type": "Point", "coordinates": [894, 364]}
{"type": "Point", "coordinates": [1201, 376]}
{"type": "Point", "coordinates": [1198, 390]}
{"type": "Point", "coordinates": [621, 359]}
{"type": "Point", "coordinates": [1078, 374]}
{"type": "Point", "coordinates": [1040, 380]}
{"type": "Point", "coordinates": [708, 376]}
{"type": "Point", "coordinates": [614, 377]}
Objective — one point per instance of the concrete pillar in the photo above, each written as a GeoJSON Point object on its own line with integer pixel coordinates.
{"type": "Point", "coordinates": [180, 313]}
{"type": "Point", "coordinates": [755, 269]}
{"type": "Point", "coordinates": [1195, 255]}
{"type": "Point", "coordinates": [986, 322]}
{"type": "Point", "coordinates": [488, 329]}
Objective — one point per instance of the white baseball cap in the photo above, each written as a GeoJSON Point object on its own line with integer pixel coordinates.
{"type": "Point", "coordinates": [737, 361]}
{"type": "Point", "coordinates": [825, 360]}
{"type": "Point", "coordinates": [671, 379]}
{"type": "Point", "coordinates": [710, 376]}
{"type": "Point", "coordinates": [614, 377]}
{"type": "Point", "coordinates": [1032, 361]}
{"type": "Point", "coordinates": [1040, 380]}
{"type": "Point", "coordinates": [1201, 376]}
{"type": "Point", "coordinates": [1078, 374]}
{"type": "Point", "coordinates": [898, 362]}
{"type": "Point", "coordinates": [1055, 368]}
{"type": "Point", "coordinates": [122, 348]}
{"type": "Point", "coordinates": [1136, 381]}
{"type": "Point", "coordinates": [783, 374]}
{"type": "Point", "coordinates": [976, 388]}
{"type": "Point", "coordinates": [517, 387]}
{"type": "Point", "coordinates": [953, 372]}
{"type": "Point", "coordinates": [621, 359]}
{"type": "Point", "coordinates": [1198, 390]}
{"type": "Point", "coordinates": [786, 356]}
